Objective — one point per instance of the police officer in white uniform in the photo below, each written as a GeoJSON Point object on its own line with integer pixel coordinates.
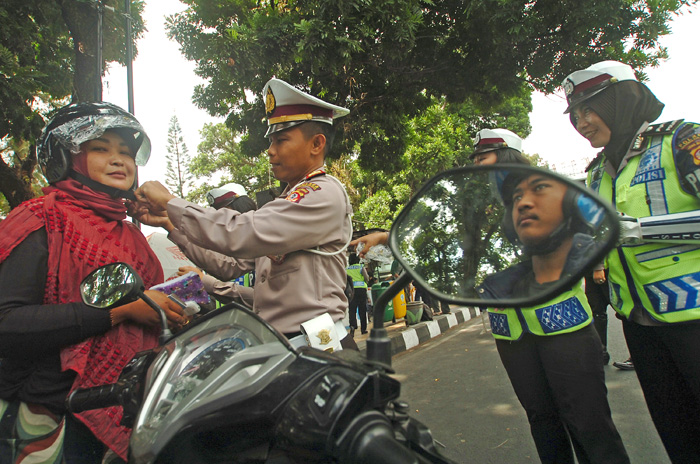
{"type": "Point", "coordinates": [294, 243]}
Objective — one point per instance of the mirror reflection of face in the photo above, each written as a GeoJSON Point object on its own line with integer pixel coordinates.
{"type": "Point", "coordinates": [537, 208]}
{"type": "Point", "coordinates": [591, 126]}
{"type": "Point", "coordinates": [484, 159]}
{"type": "Point", "coordinates": [110, 161]}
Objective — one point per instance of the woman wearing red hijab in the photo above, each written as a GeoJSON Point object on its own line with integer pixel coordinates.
{"type": "Point", "coordinates": [51, 342]}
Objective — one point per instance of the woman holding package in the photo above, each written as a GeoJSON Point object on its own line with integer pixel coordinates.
{"type": "Point", "coordinates": [50, 342]}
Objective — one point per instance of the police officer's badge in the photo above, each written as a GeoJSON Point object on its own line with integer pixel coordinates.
{"type": "Point", "coordinates": [270, 103]}
{"type": "Point", "coordinates": [324, 336]}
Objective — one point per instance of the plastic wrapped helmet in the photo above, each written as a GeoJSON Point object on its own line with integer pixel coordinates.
{"type": "Point", "coordinates": [581, 85]}
{"type": "Point", "coordinates": [495, 139]}
{"type": "Point", "coordinates": [77, 123]}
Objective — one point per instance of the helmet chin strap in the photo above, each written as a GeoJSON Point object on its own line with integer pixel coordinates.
{"type": "Point", "coordinates": [551, 243]}
{"type": "Point", "coordinates": [111, 191]}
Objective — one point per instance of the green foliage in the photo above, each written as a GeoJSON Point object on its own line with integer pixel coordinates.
{"type": "Point", "coordinates": [452, 234]}
{"type": "Point", "coordinates": [219, 156]}
{"type": "Point", "coordinates": [440, 138]}
{"type": "Point", "coordinates": [19, 176]}
{"type": "Point", "coordinates": [387, 59]}
{"type": "Point", "coordinates": [43, 45]}
{"type": "Point", "coordinates": [177, 175]}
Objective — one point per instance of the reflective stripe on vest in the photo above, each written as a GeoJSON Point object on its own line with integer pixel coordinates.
{"type": "Point", "coordinates": [355, 272]}
{"type": "Point", "coordinates": [565, 313]}
{"type": "Point", "coordinates": [661, 278]}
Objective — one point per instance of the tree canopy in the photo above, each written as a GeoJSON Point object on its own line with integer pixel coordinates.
{"type": "Point", "coordinates": [47, 58]}
{"type": "Point", "coordinates": [386, 59]}
{"type": "Point", "coordinates": [177, 173]}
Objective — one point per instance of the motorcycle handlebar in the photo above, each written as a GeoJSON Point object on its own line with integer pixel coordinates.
{"type": "Point", "coordinates": [93, 398]}
{"type": "Point", "coordinates": [370, 438]}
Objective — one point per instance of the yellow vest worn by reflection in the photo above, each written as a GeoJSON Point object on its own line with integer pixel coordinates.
{"type": "Point", "coordinates": [662, 279]}
{"type": "Point", "coordinates": [568, 312]}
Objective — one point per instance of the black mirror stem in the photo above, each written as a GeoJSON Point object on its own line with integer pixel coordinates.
{"type": "Point", "coordinates": [379, 343]}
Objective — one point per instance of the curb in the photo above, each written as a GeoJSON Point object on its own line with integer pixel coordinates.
{"type": "Point", "coordinates": [404, 338]}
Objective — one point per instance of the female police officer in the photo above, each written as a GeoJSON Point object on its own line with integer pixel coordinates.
{"type": "Point", "coordinates": [648, 170]}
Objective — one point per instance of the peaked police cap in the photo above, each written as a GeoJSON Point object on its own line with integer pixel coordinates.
{"type": "Point", "coordinates": [286, 106]}
{"type": "Point", "coordinates": [581, 85]}
{"type": "Point", "coordinates": [493, 139]}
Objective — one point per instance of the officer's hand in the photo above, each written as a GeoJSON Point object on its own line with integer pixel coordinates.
{"type": "Point", "coordinates": [182, 270]}
{"type": "Point", "coordinates": [599, 276]}
{"type": "Point", "coordinates": [142, 213]}
{"type": "Point", "coordinates": [370, 240]}
{"type": "Point", "coordinates": [153, 195]}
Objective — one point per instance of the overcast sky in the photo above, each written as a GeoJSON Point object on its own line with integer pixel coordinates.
{"type": "Point", "coordinates": [164, 81]}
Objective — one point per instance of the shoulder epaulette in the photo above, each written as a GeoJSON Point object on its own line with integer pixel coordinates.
{"type": "Point", "coordinates": [594, 161]}
{"type": "Point", "coordinates": [663, 128]}
{"type": "Point", "coordinates": [316, 173]}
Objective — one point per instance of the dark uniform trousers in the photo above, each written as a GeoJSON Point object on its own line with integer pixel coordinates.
{"type": "Point", "coordinates": [560, 382]}
{"type": "Point", "coordinates": [670, 380]}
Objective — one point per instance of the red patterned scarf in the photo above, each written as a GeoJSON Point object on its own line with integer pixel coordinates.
{"type": "Point", "coordinates": [86, 230]}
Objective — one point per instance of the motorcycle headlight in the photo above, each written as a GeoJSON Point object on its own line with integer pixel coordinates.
{"type": "Point", "coordinates": [215, 359]}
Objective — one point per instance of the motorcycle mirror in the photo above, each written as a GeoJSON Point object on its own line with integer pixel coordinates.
{"type": "Point", "coordinates": [116, 284]}
{"type": "Point", "coordinates": [111, 285]}
{"type": "Point", "coordinates": [466, 232]}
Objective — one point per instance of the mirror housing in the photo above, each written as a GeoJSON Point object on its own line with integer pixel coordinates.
{"type": "Point", "coordinates": [458, 230]}
{"type": "Point", "coordinates": [112, 285]}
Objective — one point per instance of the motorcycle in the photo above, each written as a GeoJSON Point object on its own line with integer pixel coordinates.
{"type": "Point", "coordinates": [230, 388]}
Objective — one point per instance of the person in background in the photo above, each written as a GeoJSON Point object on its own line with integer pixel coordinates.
{"type": "Point", "coordinates": [50, 341]}
{"type": "Point", "coordinates": [493, 146]}
{"type": "Point", "coordinates": [295, 243]}
{"type": "Point", "coordinates": [358, 304]}
{"type": "Point", "coordinates": [646, 170]}
{"type": "Point", "coordinates": [597, 295]}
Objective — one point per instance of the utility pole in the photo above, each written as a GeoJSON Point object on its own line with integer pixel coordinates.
{"type": "Point", "coordinates": [129, 56]}
{"type": "Point", "coordinates": [98, 52]}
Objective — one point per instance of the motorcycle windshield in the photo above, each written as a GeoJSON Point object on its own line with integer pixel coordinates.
{"type": "Point", "coordinates": [224, 359]}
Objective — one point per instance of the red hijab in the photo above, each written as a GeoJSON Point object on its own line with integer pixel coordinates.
{"type": "Point", "coordinates": [85, 230]}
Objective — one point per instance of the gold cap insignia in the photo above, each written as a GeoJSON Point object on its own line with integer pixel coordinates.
{"type": "Point", "coordinates": [269, 102]}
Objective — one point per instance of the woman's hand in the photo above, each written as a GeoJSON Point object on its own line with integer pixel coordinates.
{"type": "Point", "coordinates": [370, 240]}
{"type": "Point", "coordinates": [141, 313]}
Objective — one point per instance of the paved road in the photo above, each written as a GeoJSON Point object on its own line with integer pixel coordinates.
{"type": "Point", "coordinates": [456, 384]}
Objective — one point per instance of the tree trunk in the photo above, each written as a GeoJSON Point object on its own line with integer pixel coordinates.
{"type": "Point", "coordinates": [81, 19]}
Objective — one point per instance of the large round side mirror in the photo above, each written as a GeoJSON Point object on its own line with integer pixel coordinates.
{"type": "Point", "coordinates": [111, 285]}
{"type": "Point", "coordinates": [467, 225]}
